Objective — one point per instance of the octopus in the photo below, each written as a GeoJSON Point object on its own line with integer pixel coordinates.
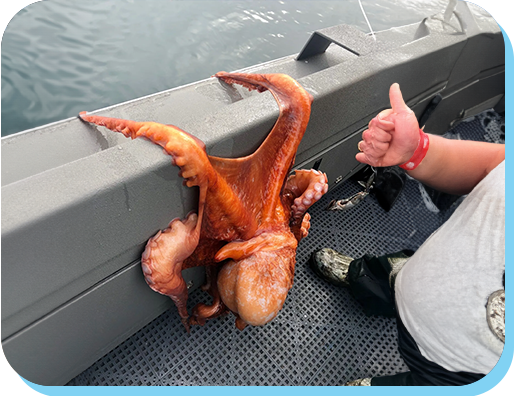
{"type": "Point", "coordinates": [252, 211]}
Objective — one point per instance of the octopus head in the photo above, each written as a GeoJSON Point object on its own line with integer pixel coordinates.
{"type": "Point", "coordinates": [255, 288]}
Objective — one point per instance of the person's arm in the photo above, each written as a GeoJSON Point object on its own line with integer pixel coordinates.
{"type": "Point", "coordinates": [457, 166]}
{"type": "Point", "coordinates": [453, 166]}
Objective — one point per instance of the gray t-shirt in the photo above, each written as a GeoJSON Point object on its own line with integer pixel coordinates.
{"type": "Point", "coordinates": [442, 290]}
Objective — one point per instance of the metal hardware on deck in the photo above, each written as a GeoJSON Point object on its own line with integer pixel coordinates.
{"type": "Point", "coordinates": [316, 165]}
{"type": "Point", "coordinates": [347, 37]}
{"type": "Point", "coordinates": [429, 110]}
{"type": "Point", "coordinates": [355, 199]}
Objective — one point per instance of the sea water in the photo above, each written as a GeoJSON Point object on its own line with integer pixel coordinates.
{"type": "Point", "coordinates": [60, 57]}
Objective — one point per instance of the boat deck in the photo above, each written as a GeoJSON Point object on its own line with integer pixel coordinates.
{"type": "Point", "coordinates": [321, 336]}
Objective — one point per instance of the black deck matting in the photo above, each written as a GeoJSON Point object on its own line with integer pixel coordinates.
{"type": "Point", "coordinates": [321, 336]}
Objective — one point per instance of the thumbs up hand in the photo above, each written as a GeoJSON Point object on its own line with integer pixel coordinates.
{"type": "Point", "coordinates": [392, 136]}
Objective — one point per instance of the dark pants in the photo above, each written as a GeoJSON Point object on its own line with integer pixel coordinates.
{"type": "Point", "coordinates": [370, 285]}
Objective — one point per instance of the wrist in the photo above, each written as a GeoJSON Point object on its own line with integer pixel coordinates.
{"type": "Point", "coordinates": [419, 154]}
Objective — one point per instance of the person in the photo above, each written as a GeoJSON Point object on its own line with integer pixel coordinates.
{"type": "Point", "coordinates": [448, 296]}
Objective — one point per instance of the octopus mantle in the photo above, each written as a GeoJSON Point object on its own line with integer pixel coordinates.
{"type": "Point", "coordinates": [251, 214]}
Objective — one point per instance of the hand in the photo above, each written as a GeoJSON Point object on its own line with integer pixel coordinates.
{"type": "Point", "coordinates": [392, 136]}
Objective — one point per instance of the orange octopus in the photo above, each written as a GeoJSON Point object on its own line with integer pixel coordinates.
{"type": "Point", "coordinates": [251, 213]}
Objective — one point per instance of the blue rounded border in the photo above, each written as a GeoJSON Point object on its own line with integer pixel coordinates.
{"type": "Point", "coordinates": [499, 380]}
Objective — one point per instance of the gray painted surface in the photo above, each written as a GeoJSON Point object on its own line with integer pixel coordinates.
{"type": "Point", "coordinates": [80, 202]}
{"type": "Point", "coordinates": [322, 336]}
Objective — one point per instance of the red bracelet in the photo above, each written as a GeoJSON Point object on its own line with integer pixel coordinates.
{"type": "Point", "coordinates": [419, 154]}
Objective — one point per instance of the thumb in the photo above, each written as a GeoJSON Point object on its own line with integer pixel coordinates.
{"type": "Point", "coordinates": [396, 100]}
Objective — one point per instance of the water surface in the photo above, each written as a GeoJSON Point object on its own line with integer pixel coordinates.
{"type": "Point", "coordinates": [60, 57]}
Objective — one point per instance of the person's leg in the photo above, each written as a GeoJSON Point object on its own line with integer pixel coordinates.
{"type": "Point", "coordinates": [367, 277]}
{"type": "Point", "coordinates": [371, 280]}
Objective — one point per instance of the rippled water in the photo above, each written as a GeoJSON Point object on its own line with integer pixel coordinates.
{"type": "Point", "coordinates": [63, 56]}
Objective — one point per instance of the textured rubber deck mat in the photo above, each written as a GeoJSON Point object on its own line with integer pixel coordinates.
{"type": "Point", "coordinates": [321, 336]}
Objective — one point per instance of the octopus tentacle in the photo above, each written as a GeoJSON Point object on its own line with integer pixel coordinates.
{"type": "Point", "coordinates": [303, 228]}
{"type": "Point", "coordinates": [264, 242]}
{"type": "Point", "coordinates": [162, 260]}
{"type": "Point", "coordinates": [187, 152]}
{"type": "Point", "coordinates": [240, 323]}
{"type": "Point", "coordinates": [302, 190]}
{"type": "Point", "coordinates": [307, 187]}
{"type": "Point", "coordinates": [202, 312]}
{"type": "Point", "coordinates": [279, 148]}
